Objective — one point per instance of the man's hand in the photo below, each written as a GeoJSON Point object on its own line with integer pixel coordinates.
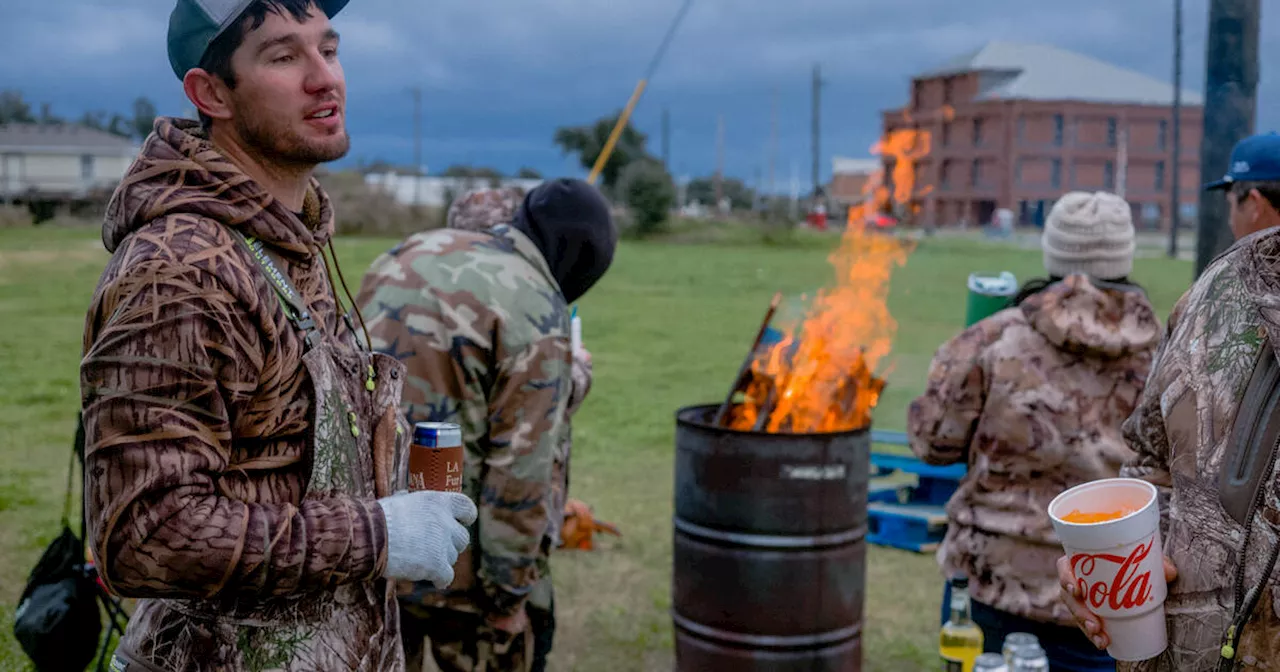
{"type": "Point", "coordinates": [426, 531]}
{"type": "Point", "coordinates": [1090, 623]}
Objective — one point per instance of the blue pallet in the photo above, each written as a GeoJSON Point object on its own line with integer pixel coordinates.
{"type": "Point", "coordinates": [908, 515]}
{"type": "Point", "coordinates": [880, 491]}
{"type": "Point", "coordinates": [908, 527]}
{"type": "Point", "coordinates": [889, 436]}
{"type": "Point", "coordinates": [951, 472]}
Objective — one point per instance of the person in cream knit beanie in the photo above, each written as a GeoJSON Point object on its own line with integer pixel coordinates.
{"type": "Point", "coordinates": [1090, 234]}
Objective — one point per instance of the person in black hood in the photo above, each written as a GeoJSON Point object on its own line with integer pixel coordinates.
{"type": "Point", "coordinates": [478, 312]}
{"type": "Point", "coordinates": [570, 223]}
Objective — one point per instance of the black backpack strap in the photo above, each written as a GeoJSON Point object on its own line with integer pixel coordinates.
{"type": "Point", "coordinates": [290, 299]}
{"type": "Point", "coordinates": [77, 456]}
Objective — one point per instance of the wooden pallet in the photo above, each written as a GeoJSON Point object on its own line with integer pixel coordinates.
{"type": "Point", "coordinates": [905, 498]}
{"type": "Point", "coordinates": [906, 526]}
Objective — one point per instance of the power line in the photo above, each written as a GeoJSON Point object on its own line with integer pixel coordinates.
{"type": "Point", "coordinates": [417, 142]}
{"type": "Point", "coordinates": [1175, 217]}
{"type": "Point", "coordinates": [817, 121]}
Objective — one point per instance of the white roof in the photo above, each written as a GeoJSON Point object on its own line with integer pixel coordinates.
{"type": "Point", "coordinates": [62, 139]}
{"type": "Point", "coordinates": [843, 165]}
{"type": "Point", "coordinates": [1026, 71]}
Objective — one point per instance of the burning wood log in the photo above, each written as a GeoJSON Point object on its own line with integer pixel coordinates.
{"type": "Point", "coordinates": [744, 371]}
{"type": "Point", "coordinates": [820, 375]}
{"type": "Point", "coordinates": [766, 409]}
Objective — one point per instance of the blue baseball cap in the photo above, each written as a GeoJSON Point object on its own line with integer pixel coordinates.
{"type": "Point", "coordinates": [1254, 159]}
{"type": "Point", "coordinates": [194, 24]}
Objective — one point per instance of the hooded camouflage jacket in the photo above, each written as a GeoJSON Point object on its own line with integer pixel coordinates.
{"type": "Point", "coordinates": [480, 323]}
{"type": "Point", "coordinates": [196, 403]}
{"type": "Point", "coordinates": [1032, 399]}
{"type": "Point", "coordinates": [1206, 405]}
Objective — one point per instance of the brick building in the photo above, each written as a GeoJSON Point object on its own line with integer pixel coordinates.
{"type": "Point", "coordinates": [1016, 125]}
{"type": "Point", "coordinates": [849, 179]}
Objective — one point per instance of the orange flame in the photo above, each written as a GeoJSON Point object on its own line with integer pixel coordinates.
{"type": "Point", "coordinates": [821, 376]}
{"type": "Point", "coordinates": [904, 147]}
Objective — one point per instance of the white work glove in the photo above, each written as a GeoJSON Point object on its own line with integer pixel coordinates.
{"type": "Point", "coordinates": [425, 533]}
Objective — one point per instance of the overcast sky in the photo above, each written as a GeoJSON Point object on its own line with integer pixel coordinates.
{"type": "Point", "coordinates": [499, 76]}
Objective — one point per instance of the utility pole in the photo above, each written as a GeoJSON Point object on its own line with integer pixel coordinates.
{"type": "Point", "coordinates": [1230, 106]}
{"type": "Point", "coordinates": [817, 105]}
{"type": "Point", "coordinates": [795, 190]}
{"type": "Point", "coordinates": [666, 139]}
{"type": "Point", "coordinates": [417, 143]}
{"type": "Point", "coordinates": [1122, 161]}
{"type": "Point", "coordinates": [719, 161]}
{"type": "Point", "coordinates": [773, 140]}
{"type": "Point", "coordinates": [1175, 215]}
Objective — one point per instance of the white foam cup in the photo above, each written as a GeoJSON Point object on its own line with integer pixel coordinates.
{"type": "Point", "coordinates": [1118, 563]}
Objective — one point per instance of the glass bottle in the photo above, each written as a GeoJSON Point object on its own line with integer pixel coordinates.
{"type": "Point", "coordinates": [960, 642]}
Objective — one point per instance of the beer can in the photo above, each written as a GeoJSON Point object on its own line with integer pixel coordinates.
{"type": "Point", "coordinates": [436, 457]}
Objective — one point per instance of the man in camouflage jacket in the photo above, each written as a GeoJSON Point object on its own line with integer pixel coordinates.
{"type": "Point", "coordinates": [1205, 434]}
{"type": "Point", "coordinates": [480, 210]}
{"type": "Point", "coordinates": [243, 450]}
{"type": "Point", "coordinates": [480, 319]}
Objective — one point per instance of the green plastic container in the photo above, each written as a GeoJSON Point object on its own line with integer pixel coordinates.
{"type": "Point", "coordinates": [988, 295]}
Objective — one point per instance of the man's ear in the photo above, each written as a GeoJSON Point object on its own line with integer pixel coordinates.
{"type": "Point", "coordinates": [208, 93]}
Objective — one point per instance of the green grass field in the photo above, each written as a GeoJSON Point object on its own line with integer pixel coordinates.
{"type": "Point", "coordinates": [667, 327]}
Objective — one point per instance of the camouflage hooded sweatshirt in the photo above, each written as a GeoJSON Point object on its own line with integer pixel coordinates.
{"type": "Point", "coordinates": [1032, 399]}
{"type": "Point", "coordinates": [1207, 419]}
{"type": "Point", "coordinates": [196, 402]}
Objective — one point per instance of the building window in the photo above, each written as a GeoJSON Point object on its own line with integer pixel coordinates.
{"type": "Point", "coordinates": [917, 89]}
{"type": "Point", "coordinates": [946, 90]}
{"type": "Point", "coordinates": [976, 175]}
{"type": "Point", "coordinates": [1159, 175]}
{"type": "Point", "coordinates": [1109, 175]}
{"type": "Point", "coordinates": [1058, 124]}
{"type": "Point", "coordinates": [1162, 140]}
{"type": "Point", "coordinates": [1111, 131]}
{"type": "Point", "coordinates": [977, 132]}
{"type": "Point", "coordinates": [946, 134]}
{"type": "Point", "coordinates": [945, 177]}
{"type": "Point", "coordinates": [86, 167]}
{"type": "Point", "coordinates": [1055, 174]}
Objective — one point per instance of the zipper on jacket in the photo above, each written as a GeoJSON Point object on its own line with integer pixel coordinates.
{"type": "Point", "coordinates": [1245, 472]}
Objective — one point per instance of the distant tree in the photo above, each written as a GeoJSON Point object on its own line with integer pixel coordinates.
{"type": "Point", "coordinates": [703, 190]}
{"type": "Point", "coordinates": [588, 143]}
{"type": "Point", "coordinates": [473, 172]}
{"type": "Point", "coordinates": [144, 117]}
{"type": "Point", "coordinates": [380, 166]}
{"type": "Point", "coordinates": [120, 126]}
{"type": "Point", "coordinates": [528, 174]}
{"type": "Point", "coordinates": [650, 193]}
{"type": "Point", "coordinates": [95, 119]}
{"type": "Point", "coordinates": [13, 109]}
{"type": "Point", "coordinates": [47, 116]}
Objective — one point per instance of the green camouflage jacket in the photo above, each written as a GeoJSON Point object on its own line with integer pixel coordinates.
{"type": "Point", "coordinates": [483, 329]}
{"type": "Point", "coordinates": [1204, 412]}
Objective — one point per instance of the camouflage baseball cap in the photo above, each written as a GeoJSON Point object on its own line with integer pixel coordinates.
{"type": "Point", "coordinates": [481, 209]}
{"type": "Point", "coordinates": [195, 23]}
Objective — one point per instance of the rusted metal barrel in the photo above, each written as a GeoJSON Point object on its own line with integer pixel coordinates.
{"type": "Point", "coordinates": [770, 548]}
